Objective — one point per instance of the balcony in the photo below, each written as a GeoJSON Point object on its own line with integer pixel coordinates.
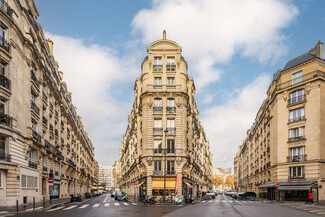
{"type": "Point", "coordinates": [34, 107]}
{"type": "Point", "coordinates": [297, 99]}
{"type": "Point", "coordinates": [51, 106]}
{"type": "Point", "coordinates": [157, 110]}
{"type": "Point", "coordinates": [5, 8]}
{"type": "Point", "coordinates": [4, 156]}
{"type": "Point", "coordinates": [4, 44]}
{"type": "Point", "coordinates": [32, 164]}
{"type": "Point", "coordinates": [37, 137]}
{"type": "Point", "coordinates": [157, 68]}
{"type": "Point", "coordinates": [157, 131]}
{"type": "Point", "coordinates": [5, 119]}
{"type": "Point", "coordinates": [157, 150]}
{"type": "Point", "coordinates": [171, 67]}
{"type": "Point", "coordinates": [171, 110]}
{"type": "Point", "coordinates": [297, 158]}
{"type": "Point", "coordinates": [171, 131]}
{"type": "Point", "coordinates": [44, 120]}
{"type": "Point", "coordinates": [56, 132]}
{"type": "Point", "coordinates": [298, 138]}
{"type": "Point", "coordinates": [71, 162]}
{"type": "Point", "coordinates": [82, 170]}
{"type": "Point", "coordinates": [157, 173]}
{"type": "Point", "coordinates": [295, 119]}
{"type": "Point", "coordinates": [34, 78]}
{"type": "Point", "coordinates": [5, 82]}
{"type": "Point", "coordinates": [303, 78]}
{"type": "Point", "coordinates": [44, 168]}
{"type": "Point", "coordinates": [56, 113]}
{"type": "Point", "coordinates": [44, 97]}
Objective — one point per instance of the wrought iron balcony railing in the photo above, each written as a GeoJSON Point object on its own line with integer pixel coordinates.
{"type": "Point", "coordinates": [297, 158]}
{"type": "Point", "coordinates": [157, 68]}
{"type": "Point", "coordinates": [298, 118]}
{"type": "Point", "coordinates": [5, 82]}
{"type": "Point", "coordinates": [51, 128]}
{"type": "Point", "coordinates": [34, 78]}
{"type": "Point", "coordinates": [157, 109]}
{"type": "Point", "coordinates": [171, 67]}
{"type": "Point", "coordinates": [4, 156]}
{"type": "Point", "coordinates": [69, 161]}
{"type": "Point", "coordinates": [297, 99]}
{"type": "Point", "coordinates": [37, 137]}
{"type": "Point", "coordinates": [5, 119]}
{"type": "Point", "coordinates": [32, 164]}
{"type": "Point", "coordinates": [5, 7]}
{"type": "Point", "coordinates": [308, 76]}
{"type": "Point", "coordinates": [157, 130]}
{"type": "Point", "coordinates": [44, 96]}
{"type": "Point", "coordinates": [171, 130]}
{"type": "Point", "coordinates": [4, 44]}
{"type": "Point", "coordinates": [171, 110]}
{"type": "Point", "coordinates": [34, 107]}
{"type": "Point", "coordinates": [44, 120]}
{"type": "Point", "coordinates": [51, 106]}
{"type": "Point", "coordinates": [297, 138]}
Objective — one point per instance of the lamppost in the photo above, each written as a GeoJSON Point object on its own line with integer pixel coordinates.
{"type": "Point", "coordinates": [165, 170]}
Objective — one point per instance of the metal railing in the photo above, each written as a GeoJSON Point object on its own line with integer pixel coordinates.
{"type": "Point", "coordinates": [51, 106]}
{"type": "Point", "coordinates": [297, 138]}
{"type": "Point", "coordinates": [299, 118]}
{"type": "Point", "coordinates": [171, 67]}
{"type": "Point", "coordinates": [157, 68]}
{"type": "Point", "coordinates": [308, 76]}
{"type": "Point", "coordinates": [297, 99]}
{"type": "Point", "coordinates": [302, 176]}
{"type": "Point", "coordinates": [5, 82]}
{"type": "Point", "coordinates": [5, 7]}
{"type": "Point", "coordinates": [4, 156]}
{"type": "Point", "coordinates": [44, 120]}
{"type": "Point", "coordinates": [157, 173]}
{"type": "Point", "coordinates": [157, 109]}
{"type": "Point", "coordinates": [37, 137]}
{"type": "Point", "coordinates": [44, 168]}
{"type": "Point", "coordinates": [171, 130]}
{"type": "Point", "coordinates": [4, 44]}
{"type": "Point", "coordinates": [34, 78]}
{"type": "Point", "coordinates": [157, 130]}
{"type": "Point", "coordinates": [32, 164]}
{"type": "Point", "coordinates": [170, 110]}
{"type": "Point", "coordinates": [44, 96]}
{"type": "Point", "coordinates": [297, 158]}
{"type": "Point", "coordinates": [34, 107]}
{"type": "Point", "coordinates": [56, 113]}
{"type": "Point", "coordinates": [5, 119]}
{"type": "Point", "coordinates": [69, 161]}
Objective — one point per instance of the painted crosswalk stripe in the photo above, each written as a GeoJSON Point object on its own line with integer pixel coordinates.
{"type": "Point", "coordinates": [106, 204]}
{"type": "Point", "coordinates": [210, 201]}
{"type": "Point", "coordinates": [316, 210]}
{"type": "Point", "coordinates": [96, 205]}
{"type": "Point", "coordinates": [70, 207]}
{"type": "Point", "coordinates": [83, 206]}
{"type": "Point", "coordinates": [321, 213]}
{"type": "Point", "coordinates": [116, 204]}
{"type": "Point", "coordinates": [134, 204]}
{"type": "Point", "coordinates": [51, 210]}
{"type": "Point", "coordinates": [126, 204]}
{"type": "Point", "coordinates": [203, 201]}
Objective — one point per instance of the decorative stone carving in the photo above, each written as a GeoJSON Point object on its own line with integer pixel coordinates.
{"type": "Point", "coordinates": [178, 160]}
{"type": "Point", "coordinates": [149, 160]}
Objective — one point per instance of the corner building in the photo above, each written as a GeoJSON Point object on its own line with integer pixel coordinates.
{"type": "Point", "coordinates": [164, 135]}
{"type": "Point", "coordinates": [41, 134]}
{"type": "Point", "coordinates": [286, 144]}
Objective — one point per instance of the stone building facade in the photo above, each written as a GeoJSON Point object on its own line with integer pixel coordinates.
{"type": "Point", "coordinates": [286, 143]}
{"type": "Point", "coordinates": [105, 177]}
{"type": "Point", "coordinates": [164, 135]}
{"type": "Point", "coordinates": [41, 134]}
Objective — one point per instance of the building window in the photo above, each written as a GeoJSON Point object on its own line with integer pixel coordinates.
{"type": "Point", "coordinates": [297, 114]}
{"type": "Point", "coordinates": [157, 166]}
{"type": "Point", "coordinates": [296, 172]}
{"type": "Point", "coordinates": [157, 65]}
{"type": "Point", "coordinates": [170, 146]}
{"type": "Point", "coordinates": [296, 77]}
{"type": "Point", "coordinates": [170, 81]}
{"type": "Point", "coordinates": [34, 125]}
{"type": "Point", "coordinates": [297, 133]}
{"type": "Point", "coordinates": [32, 159]}
{"type": "Point", "coordinates": [3, 68]}
{"type": "Point", "coordinates": [297, 154]}
{"type": "Point", "coordinates": [158, 81]}
{"type": "Point", "coordinates": [171, 64]}
{"type": "Point", "coordinates": [157, 106]}
{"type": "Point", "coordinates": [56, 166]}
{"type": "Point", "coordinates": [171, 106]}
{"type": "Point", "coordinates": [28, 181]}
{"type": "Point", "coordinates": [3, 106]}
{"type": "Point", "coordinates": [170, 167]}
{"type": "Point", "coordinates": [297, 96]}
{"type": "Point", "coordinates": [157, 127]}
{"type": "Point", "coordinates": [157, 147]}
{"type": "Point", "coordinates": [171, 126]}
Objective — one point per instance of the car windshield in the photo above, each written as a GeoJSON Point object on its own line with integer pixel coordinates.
{"type": "Point", "coordinates": [119, 193]}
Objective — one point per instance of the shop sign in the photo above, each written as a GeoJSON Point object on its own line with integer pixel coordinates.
{"type": "Point", "coordinates": [57, 182]}
{"type": "Point", "coordinates": [57, 177]}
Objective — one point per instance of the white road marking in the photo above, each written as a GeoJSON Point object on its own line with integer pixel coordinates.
{"type": "Point", "coordinates": [223, 201]}
{"type": "Point", "coordinates": [230, 201]}
{"type": "Point", "coordinates": [134, 204]}
{"type": "Point", "coordinates": [51, 210]}
{"type": "Point", "coordinates": [210, 201]}
{"type": "Point", "coordinates": [116, 204]}
{"type": "Point", "coordinates": [321, 213]}
{"type": "Point", "coordinates": [3, 212]}
{"type": "Point", "coordinates": [203, 201]}
{"type": "Point", "coordinates": [105, 199]}
{"type": "Point", "coordinates": [96, 205]}
{"type": "Point", "coordinates": [106, 204]}
{"type": "Point", "coordinates": [83, 206]}
{"type": "Point", "coordinates": [126, 204]}
{"type": "Point", "coordinates": [316, 210]}
{"type": "Point", "coordinates": [70, 207]}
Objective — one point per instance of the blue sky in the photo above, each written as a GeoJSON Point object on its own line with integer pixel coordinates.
{"type": "Point", "coordinates": [232, 48]}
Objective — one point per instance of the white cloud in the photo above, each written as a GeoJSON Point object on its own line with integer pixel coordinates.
{"type": "Point", "coordinates": [226, 125]}
{"type": "Point", "coordinates": [92, 73]}
{"type": "Point", "coordinates": [213, 31]}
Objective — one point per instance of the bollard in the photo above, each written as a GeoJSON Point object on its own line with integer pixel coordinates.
{"type": "Point", "coordinates": [17, 205]}
{"type": "Point", "coordinates": [34, 203]}
{"type": "Point", "coordinates": [43, 201]}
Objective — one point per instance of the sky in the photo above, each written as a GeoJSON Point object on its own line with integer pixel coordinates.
{"type": "Point", "coordinates": [232, 47]}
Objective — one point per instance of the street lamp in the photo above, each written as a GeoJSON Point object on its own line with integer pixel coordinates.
{"type": "Point", "coordinates": [165, 170]}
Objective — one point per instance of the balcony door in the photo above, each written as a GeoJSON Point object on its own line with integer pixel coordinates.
{"type": "Point", "coordinates": [297, 154]}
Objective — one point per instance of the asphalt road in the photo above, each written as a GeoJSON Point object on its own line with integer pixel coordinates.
{"type": "Point", "coordinates": [221, 206]}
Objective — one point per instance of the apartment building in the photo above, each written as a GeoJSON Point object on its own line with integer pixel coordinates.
{"type": "Point", "coordinates": [164, 136]}
{"type": "Point", "coordinates": [41, 134]}
{"type": "Point", "coordinates": [105, 177]}
{"type": "Point", "coordinates": [283, 155]}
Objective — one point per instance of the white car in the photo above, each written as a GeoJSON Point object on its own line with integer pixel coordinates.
{"type": "Point", "coordinates": [211, 194]}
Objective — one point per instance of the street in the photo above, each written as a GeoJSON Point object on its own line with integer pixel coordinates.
{"type": "Point", "coordinates": [221, 206]}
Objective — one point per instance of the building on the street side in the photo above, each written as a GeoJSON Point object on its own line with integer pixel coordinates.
{"type": "Point", "coordinates": [41, 134]}
{"type": "Point", "coordinates": [222, 179]}
{"type": "Point", "coordinates": [105, 177]}
{"type": "Point", "coordinates": [164, 135]}
{"type": "Point", "coordinates": [283, 155]}
{"type": "Point", "coordinates": [116, 176]}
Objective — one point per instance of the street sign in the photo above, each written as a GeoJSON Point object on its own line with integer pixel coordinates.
{"type": "Point", "coordinates": [134, 183]}
{"type": "Point", "coordinates": [50, 180]}
{"type": "Point", "coordinates": [320, 186]}
{"type": "Point", "coordinates": [277, 185]}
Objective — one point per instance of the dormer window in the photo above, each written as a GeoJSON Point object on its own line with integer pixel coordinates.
{"type": "Point", "coordinates": [296, 77]}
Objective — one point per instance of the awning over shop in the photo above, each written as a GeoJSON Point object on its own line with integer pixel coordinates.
{"type": "Point", "coordinates": [291, 185]}
{"type": "Point", "coordinates": [141, 183]}
{"type": "Point", "coordinates": [188, 184]}
{"type": "Point", "coordinates": [297, 188]}
{"type": "Point", "coordinates": [93, 188]}
{"type": "Point", "coordinates": [158, 183]}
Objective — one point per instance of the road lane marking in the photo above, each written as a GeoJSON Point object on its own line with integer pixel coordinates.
{"type": "Point", "coordinates": [126, 204]}
{"type": "Point", "coordinates": [316, 210]}
{"type": "Point", "coordinates": [70, 207]}
{"type": "Point", "coordinates": [51, 210]}
{"type": "Point", "coordinates": [203, 201]}
{"type": "Point", "coordinates": [106, 204]}
{"type": "Point", "coordinates": [210, 201]}
{"type": "Point", "coordinates": [321, 213]}
{"type": "Point", "coordinates": [96, 205]}
{"type": "Point", "coordinates": [83, 206]}
{"type": "Point", "coordinates": [244, 201]}
{"type": "Point", "coordinates": [116, 204]}
{"type": "Point", "coordinates": [134, 204]}
{"type": "Point", "coordinates": [105, 199]}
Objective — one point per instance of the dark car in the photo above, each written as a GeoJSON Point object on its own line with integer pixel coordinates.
{"type": "Point", "coordinates": [118, 195]}
{"type": "Point", "coordinates": [246, 195]}
{"type": "Point", "coordinates": [88, 195]}
{"type": "Point", "coordinates": [95, 194]}
{"type": "Point", "coordinates": [113, 194]}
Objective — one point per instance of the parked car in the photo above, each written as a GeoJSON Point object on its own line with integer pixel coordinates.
{"type": "Point", "coordinates": [100, 192]}
{"type": "Point", "coordinates": [88, 195]}
{"type": "Point", "coordinates": [95, 194]}
{"type": "Point", "coordinates": [118, 195]}
{"type": "Point", "coordinates": [211, 194]}
{"type": "Point", "coordinates": [112, 193]}
{"type": "Point", "coordinates": [246, 195]}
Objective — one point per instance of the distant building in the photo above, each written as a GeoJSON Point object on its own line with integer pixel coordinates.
{"type": "Point", "coordinates": [225, 176]}
{"type": "Point", "coordinates": [105, 177]}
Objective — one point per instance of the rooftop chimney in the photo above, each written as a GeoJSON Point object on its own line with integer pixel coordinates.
{"type": "Point", "coordinates": [317, 50]}
{"type": "Point", "coordinates": [164, 35]}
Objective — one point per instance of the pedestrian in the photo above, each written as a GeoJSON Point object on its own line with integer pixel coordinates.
{"type": "Point", "coordinates": [310, 198]}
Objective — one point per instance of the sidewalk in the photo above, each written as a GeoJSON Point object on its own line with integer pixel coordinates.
{"type": "Point", "coordinates": [29, 207]}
